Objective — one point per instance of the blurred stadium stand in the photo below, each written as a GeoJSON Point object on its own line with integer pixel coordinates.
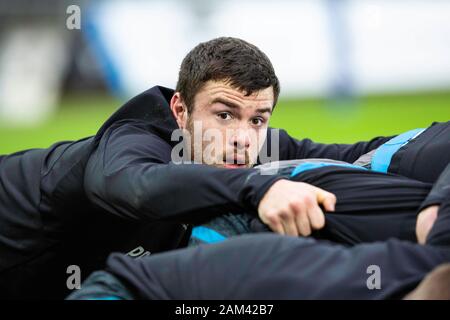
{"type": "Point", "coordinates": [40, 59]}
{"type": "Point", "coordinates": [320, 48]}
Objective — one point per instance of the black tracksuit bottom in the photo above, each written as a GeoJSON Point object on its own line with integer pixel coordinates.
{"type": "Point", "coordinates": [270, 266]}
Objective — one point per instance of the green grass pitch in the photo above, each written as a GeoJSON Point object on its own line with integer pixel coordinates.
{"type": "Point", "coordinates": [318, 119]}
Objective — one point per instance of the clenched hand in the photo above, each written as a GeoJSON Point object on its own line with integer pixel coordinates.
{"type": "Point", "coordinates": [292, 208]}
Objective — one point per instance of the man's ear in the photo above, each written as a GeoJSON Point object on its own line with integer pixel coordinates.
{"type": "Point", "coordinates": [179, 110]}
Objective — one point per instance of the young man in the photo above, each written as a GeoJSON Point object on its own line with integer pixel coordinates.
{"type": "Point", "coordinates": [75, 202]}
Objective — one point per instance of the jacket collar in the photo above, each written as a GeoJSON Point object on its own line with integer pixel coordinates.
{"type": "Point", "coordinates": [152, 106]}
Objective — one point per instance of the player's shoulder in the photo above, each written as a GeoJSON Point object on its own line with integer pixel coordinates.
{"type": "Point", "coordinates": [136, 130]}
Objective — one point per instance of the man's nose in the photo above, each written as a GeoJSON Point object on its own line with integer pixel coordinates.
{"type": "Point", "coordinates": [240, 139]}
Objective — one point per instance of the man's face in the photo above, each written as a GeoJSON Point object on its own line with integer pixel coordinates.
{"type": "Point", "coordinates": [226, 128]}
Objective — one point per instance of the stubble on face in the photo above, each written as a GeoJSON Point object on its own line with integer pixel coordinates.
{"type": "Point", "coordinates": [203, 121]}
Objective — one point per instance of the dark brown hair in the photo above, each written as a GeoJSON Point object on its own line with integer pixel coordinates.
{"type": "Point", "coordinates": [242, 64]}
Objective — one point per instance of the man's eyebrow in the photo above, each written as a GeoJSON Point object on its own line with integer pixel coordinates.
{"type": "Point", "coordinates": [233, 105]}
{"type": "Point", "coordinates": [229, 104]}
{"type": "Point", "coordinates": [264, 110]}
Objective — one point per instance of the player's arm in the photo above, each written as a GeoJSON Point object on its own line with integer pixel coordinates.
{"type": "Point", "coordinates": [291, 148]}
{"type": "Point", "coordinates": [440, 190]}
{"type": "Point", "coordinates": [130, 175]}
{"type": "Point", "coordinates": [429, 209]}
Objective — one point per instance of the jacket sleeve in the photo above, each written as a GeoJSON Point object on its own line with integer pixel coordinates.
{"type": "Point", "coordinates": [130, 175]}
{"type": "Point", "coordinates": [440, 191]}
{"type": "Point", "coordinates": [291, 148]}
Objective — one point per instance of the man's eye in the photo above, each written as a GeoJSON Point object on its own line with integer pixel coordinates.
{"type": "Point", "coordinates": [257, 121]}
{"type": "Point", "coordinates": [224, 115]}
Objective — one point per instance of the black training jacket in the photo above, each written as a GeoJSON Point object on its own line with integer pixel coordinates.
{"type": "Point", "coordinates": [76, 201]}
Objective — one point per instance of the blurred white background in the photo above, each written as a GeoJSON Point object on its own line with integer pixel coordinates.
{"type": "Point", "coordinates": [319, 48]}
{"type": "Point", "coordinates": [316, 46]}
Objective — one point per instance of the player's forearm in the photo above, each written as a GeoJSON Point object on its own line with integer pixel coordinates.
{"type": "Point", "coordinates": [291, 148]}
{"type": "Point", "coordinates": [440, 191]}
{"type": "Point", "coordinates": [185, 193]}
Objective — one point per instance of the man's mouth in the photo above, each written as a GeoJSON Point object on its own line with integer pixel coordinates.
{"type": "Point", "coordinates": [234, 166]}
{"type": "Point", "coordinates": [235, 162]}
